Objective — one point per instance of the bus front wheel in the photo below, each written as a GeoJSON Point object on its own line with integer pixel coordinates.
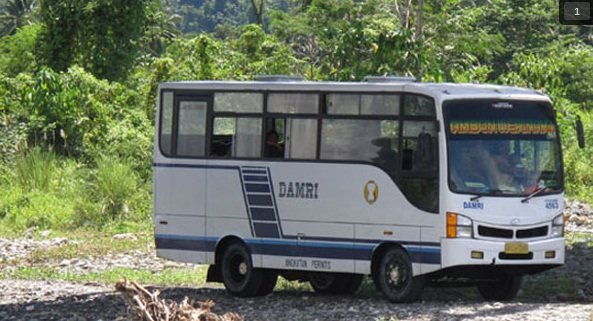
{"type": "Point", "coordinates": [395, 277]}
{"type": "Point", "coordinates": [238, 275]}
{"type": "Point", "coordinates": [504, 288]}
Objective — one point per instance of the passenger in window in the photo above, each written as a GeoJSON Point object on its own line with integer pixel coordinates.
{"type": "Point", "coordinates": [423, 155]}
{"type": "Point", "coordinates": [386, 157]}
{"type": "Point", "coordinates": [468, 170]}
{"type": "Point", "coordinates": [504, 166]}
{"type": "Point", "coordinates": [273, 149]}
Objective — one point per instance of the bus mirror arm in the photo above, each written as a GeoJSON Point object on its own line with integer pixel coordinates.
{"type": "Point", "coordinates": [580, 132]}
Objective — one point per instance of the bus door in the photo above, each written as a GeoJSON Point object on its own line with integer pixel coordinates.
{"type": "Point", "coordinates": [179, 174]}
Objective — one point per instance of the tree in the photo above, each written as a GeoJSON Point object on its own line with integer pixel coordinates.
{"type": "Point", "coordinates": [525, 25]}
{"type": "Point", "coordinates": [100, 35]}
{"type": "Point", "coordinates": [57, 44]}
{"type": "Point", "coordinates": [16, 51]}
{"type": "Point", "coordinates": [15, 14]}
{"type": "Point", "coordinates": [161, 30]}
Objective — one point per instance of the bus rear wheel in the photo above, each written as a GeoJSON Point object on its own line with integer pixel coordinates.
{"type": "Point", "coordinates": [238, 275]}
{"type": "Point", "coordinates": [335, 283]}
{"type": "Point", "coordinates": [504, 288]}
{"type": "Point", "coordinates": [395, 278]}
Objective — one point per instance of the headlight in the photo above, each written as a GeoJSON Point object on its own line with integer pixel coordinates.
{"type": "Point", "coordinates": [558, 226]}
{"type": "Point", "coordinates": [459, 226]}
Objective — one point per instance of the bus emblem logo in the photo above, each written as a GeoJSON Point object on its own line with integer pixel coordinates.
{"type": "Point", "coordinates": [371, 192]}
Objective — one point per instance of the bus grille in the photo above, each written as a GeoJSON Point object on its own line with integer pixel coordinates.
{"type": "Point", "coordinates": [495, 232]}
{"type": "Point", "coordinates": [532, 232]}
{"type": "Point", "coordinates": [508, 234]}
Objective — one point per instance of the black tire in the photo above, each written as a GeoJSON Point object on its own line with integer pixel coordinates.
{"type": "Point", "coordinates": [269, 279]}
{"type": "Point", "coordinates": [335, 283]}
{"type": "Point", "coordinates": [394, 277]}
{"type": "Point", "coordinates": [504, 288]}
{"type": "Point", "coordinates": [238, 275]}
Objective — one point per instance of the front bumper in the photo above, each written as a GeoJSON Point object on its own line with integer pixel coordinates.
{"type": "Point", "coordinates": [457, 252]}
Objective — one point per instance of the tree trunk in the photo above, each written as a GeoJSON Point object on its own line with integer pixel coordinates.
{"type": "Point", "coordinates": [419, 35]}
{"type": "Point", "coordinates": [258, 9]}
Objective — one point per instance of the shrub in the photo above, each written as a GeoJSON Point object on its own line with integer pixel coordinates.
{"type": "Point", "coordinates": [115, 184]}
{"type": "Point", "coordinates": [41, 191]}
{"type": "Point", "coordinates": [35, 170]}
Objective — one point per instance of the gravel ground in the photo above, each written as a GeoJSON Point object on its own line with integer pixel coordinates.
{"type": "Point", "coordinates": [565, 293]}
{"type": "Point", "coordinates": [39, 300]}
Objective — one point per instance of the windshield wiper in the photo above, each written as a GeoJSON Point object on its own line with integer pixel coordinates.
{"type": "Point", "coordinates": [535, 193]}
{"type": "Point", "coordinates": [476, 197]}
{"type": "Point", "coordinates": [491, 192]}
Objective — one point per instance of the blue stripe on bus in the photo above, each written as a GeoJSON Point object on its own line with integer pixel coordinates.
{"type": "Point", "coordinates": [180, 242]}
{"type": "Point", "coordinates": [257, 188]}
{"type": "Point", "coordinates": [196, 166]}
{"type": "Point", "coordinates": [278, 247]}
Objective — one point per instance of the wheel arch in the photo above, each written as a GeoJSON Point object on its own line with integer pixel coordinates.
{"type": "Point", "coordinates": [378, 253]}
{"type": "Point", "coordinates": [222, 244]}
{"type": "Point", "coordinates": [214, 271]}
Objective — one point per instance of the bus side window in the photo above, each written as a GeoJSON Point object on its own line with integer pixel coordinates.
{"type": "Point", "coordinates": [166, 122]}
{"type": "Point", "coordinates": [274, 139]}
{"type": "Point", "coordinates": [221, 145]}
{"type": "Point", "coordinates": [419, 146]}
{"type": "Point", "coordinates": [236, 137]}
{"type": "Point", "coordinates": [419, 181]}
{"type": "Point", "coordinates": [191, 132]}
{"type": "Point", "coordinates": [291, 138]}
{"type": "Point", "coordinates": [301, 138]}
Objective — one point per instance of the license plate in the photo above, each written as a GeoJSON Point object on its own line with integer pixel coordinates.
{"type": "Point", "coordinates": [516, 248]}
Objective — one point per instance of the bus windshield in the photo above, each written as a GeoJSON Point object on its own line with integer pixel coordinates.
{"type": "Point", "coordinates": [508, 148]}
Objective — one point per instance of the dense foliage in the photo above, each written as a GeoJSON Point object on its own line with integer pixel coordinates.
{"type": "Point", "coordinates": [78, 80]}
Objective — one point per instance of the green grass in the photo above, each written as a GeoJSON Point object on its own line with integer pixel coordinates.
{"type": "Point", "coordinates": [195, 276]}
{"type": "Point", "coordinates": [97, 246]}
{"type": "Point", "coordinates": [44, 191]}
{"type": "Point", "coordinates": [83, 244]}
{"type": "Point", "coordinates": [292, 286]}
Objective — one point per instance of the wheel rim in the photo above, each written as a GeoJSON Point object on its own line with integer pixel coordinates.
{"type": "Point", "coordinates": [322, 281]}
{"type": "Point", "coordinates": [239, 268]}
{"type": "Point", "coordinates": [396, 274]}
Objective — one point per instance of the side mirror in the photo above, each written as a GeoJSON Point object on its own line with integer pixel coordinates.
{"type": "Point", "coordinates": [580, 133]}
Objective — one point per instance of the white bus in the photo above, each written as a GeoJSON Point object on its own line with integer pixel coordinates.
{"type": "Point", "coordinates": [327, 182]}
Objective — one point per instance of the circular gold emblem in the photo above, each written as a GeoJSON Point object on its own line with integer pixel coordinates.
{"type": "Point", "coordinates": [371, 192]}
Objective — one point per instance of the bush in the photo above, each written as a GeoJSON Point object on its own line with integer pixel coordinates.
{"type": "Point", "coordinates": [40, 192]}
{"type": "Point", "coordinates": [577, 162]}
{"type": "Point", "coordinates": [115, 184]}
{"type": "Point", "coordinates": [113, 195]}
{"type": "Point", "coordinates": [49, 191]}
{"type": "Point", "coordinates": [35, 170]}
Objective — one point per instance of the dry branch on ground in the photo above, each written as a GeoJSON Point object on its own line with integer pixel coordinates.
{"type": "Point", "coordinates": [148, 306]}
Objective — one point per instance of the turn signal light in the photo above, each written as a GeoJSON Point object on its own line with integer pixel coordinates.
{"type": "Point", "coordinates": [451, 225]}
{"type": "Point", "coordinates": [459, 226]}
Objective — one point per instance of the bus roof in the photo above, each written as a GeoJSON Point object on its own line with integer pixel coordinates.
{"type": "Point", "coordinates": [444, 91]}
